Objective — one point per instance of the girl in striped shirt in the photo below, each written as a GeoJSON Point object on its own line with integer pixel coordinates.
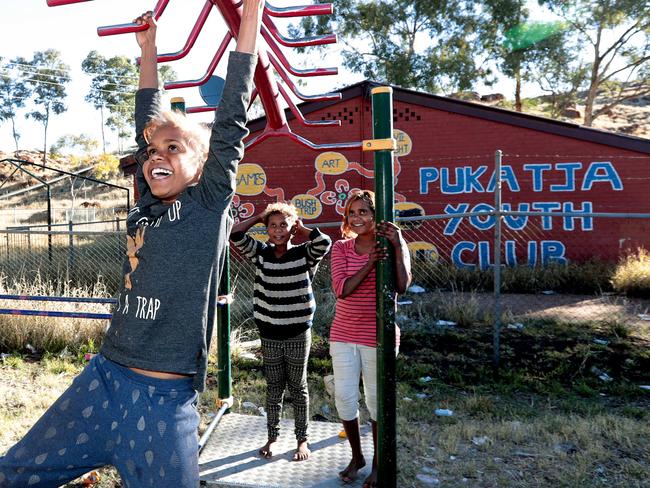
{"type": "Point", "coordinates": [283, 308]}
{"type": "Point", "coordinates": [353, 337]}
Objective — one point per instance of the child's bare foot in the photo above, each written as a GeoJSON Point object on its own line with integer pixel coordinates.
{"type": "Point", "coordinates": [302, 451]}
{"type": "Point", "coordinates": [267, 450]}
{"type": "Point", "coordinates": [371, 480]}
{"type": "Point", "coordinates": [349, 474]}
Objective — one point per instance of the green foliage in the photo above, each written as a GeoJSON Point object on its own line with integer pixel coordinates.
{"type": "Point", "coordinates": [56, 365]}
{"type": "Point", "coordinates": [89, 347]}
{"type": "Point", "coordinates": [429, 45]}
{"type": "Point", "coordinates": [81, 142]}
{"type": "Point", "coordinates": [14, 361]}
{"type": "Point", "coordinates": [616, 36]}
{"type": "Point", "coordinates": [47, 77]}
{"type": "Point", "coordinates": [13, 93]}
{"type": "Point", "coordinates": [112, 88]}
{"type": "Point", "coordinates": [106, 166]}
{"type": "Point", "coordinates": [632, 275]}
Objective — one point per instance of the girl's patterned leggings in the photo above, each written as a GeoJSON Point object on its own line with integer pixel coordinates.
{"type": "Point", "coordinates": [285, 366]}
{"type": "Point", "coordinates": [110, 415]}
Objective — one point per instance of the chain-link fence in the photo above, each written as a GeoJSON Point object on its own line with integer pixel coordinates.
{"type": "Point", "coordinates": [546, 272]}
{"type": "Point", "coordinates": [67, 259]}
{"type": "Point", "coordinates": [32, 219]}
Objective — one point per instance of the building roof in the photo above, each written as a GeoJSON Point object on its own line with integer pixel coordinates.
{"type": "Point", "coordinates": [472, 109]}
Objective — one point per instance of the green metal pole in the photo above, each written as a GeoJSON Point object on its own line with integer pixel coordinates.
{"type": "Point", "coordinates": [382, 128]}
{"type": "Point", "coordinates": [496, 333]}
{"type": "Point", "coordinates": [224, 377]}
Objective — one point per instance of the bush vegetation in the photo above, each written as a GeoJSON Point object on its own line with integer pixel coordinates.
{"type": "Point", "coordinates": [632, 275]}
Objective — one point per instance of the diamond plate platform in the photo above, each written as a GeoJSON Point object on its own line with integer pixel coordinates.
{"type": "Point", "coordinates": [230, 459]}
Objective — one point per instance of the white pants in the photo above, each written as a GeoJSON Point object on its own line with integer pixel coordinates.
{"type": "Point", "coordinates": [350, 361]}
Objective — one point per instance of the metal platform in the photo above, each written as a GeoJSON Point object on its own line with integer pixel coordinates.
{"type": "Point", "coordinates": [230, 457]}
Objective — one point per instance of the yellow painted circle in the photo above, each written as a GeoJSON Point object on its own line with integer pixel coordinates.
{"type": "Point", "coordinates": [399, 212]}
{"type": "Point", "coordinates": [331, 163]}
{"type": "Point", "coordinates": [251, 179]}
{"type": "Point", "coordinates": [403, 143]}
{"type": "Point", "coordinates": [423, 251]}
{"type": "Point", "coordinates": [308, 206]}
{"type": "Point", "coordinates": [258, 232]}
{"type": "Point", "coordinates": [401, 206]}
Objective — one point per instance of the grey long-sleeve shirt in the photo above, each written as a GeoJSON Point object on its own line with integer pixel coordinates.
{"type": "Point", "coordinates": [166, 308]}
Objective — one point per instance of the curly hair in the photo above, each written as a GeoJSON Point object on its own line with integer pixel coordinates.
{"type": "Point", "coordinates": [288, 210]}
{"type": "Point", "coordinates": [197, 135]}
{"type": "Point", "coordinates": [365, 195]}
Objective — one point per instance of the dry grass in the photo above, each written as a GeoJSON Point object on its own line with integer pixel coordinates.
{"type": "Point", "coordinates": [632, 275]}
{"type": "Point", "coordinates": [545, 420]}
{"type": "Point", "coordinates": [49, 333]}
{"type": "Point", "coordinates": [551, 449]}
{"type": "Point", "coordinates": [494, 439]}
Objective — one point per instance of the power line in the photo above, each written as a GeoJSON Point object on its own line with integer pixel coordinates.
{"type": "Point", "coordinates": [63, 85]}
{"type": "Point", "coordinates": [12, 65]}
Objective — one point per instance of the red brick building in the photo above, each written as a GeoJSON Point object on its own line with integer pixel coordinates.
{"type": "Point", "coordinates": [445, 165]}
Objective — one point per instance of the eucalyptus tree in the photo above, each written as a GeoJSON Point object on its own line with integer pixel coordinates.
{"type": "Point", "coordinates": [522, 49]}
{"type": "Point", "coordinates": [14, 92]}
{"type": "Point", "coordinates": [616, 36]}
{"type": "Point", "coordinates": [47, 76]}
{"type": "Point", "coordinates": [432, 45]}
{"type": "Point", "coordinates": [114, 82]}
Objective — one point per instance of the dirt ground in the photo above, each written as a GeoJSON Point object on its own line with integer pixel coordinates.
{"type": "Point", "coordinates": [633, 311]}
{"type": "Point", "coordinates": [496, 438]}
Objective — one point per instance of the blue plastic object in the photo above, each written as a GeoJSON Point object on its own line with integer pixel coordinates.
{"type": "Point", "coordinates": [211, 90]}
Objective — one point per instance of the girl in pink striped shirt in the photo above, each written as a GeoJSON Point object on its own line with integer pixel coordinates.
{"type": "Point", "coordinates": [353, 337]}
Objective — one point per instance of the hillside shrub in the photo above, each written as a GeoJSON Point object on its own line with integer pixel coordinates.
{"type": "Point", "coordinates": [106, 166]}
{"type": "Point", "coordinates": [632, 275]}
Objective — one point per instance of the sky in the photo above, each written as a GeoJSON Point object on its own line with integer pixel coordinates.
{"type": "Point", "coordinates": [30, 25]}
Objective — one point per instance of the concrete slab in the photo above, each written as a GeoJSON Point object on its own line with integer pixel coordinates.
{"type": "Point", "coordinates": [230, 459]}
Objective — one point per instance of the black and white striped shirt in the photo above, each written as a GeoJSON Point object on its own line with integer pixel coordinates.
{"type": "Point", "coordinates": [283, 304]}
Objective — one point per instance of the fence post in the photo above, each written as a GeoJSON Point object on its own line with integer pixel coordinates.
{"type": "Point", "coordinates": [49, 223]}
{"type": "Point", "coordinates": [224, 378]}
{"type": "Point", "coordinates": [118, 239]}
{"type": "Point", "coordinates": [70, 249]}
{"type": "Point", "coordinates": [497, 259]}
{"type": "Point", "coordinates": [383, 145]}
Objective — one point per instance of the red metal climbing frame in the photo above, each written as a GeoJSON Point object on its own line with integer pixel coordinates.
{"type": "Point", "coordinates": [267, 87]}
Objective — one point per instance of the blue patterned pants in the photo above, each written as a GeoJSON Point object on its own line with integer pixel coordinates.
{"type": "Point", "coordinates": [145, 427]}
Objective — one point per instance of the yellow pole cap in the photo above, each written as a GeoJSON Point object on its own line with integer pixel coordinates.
{"type": "Point", "coordinates": [381, 89]}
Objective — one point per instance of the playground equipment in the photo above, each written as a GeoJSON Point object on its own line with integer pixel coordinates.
{"type": "Point", "coordinates": [53, 313]}
{"type": "Point", "coordinates": [270, 91]}
{"type": "Point", "coordinates": [267, 87]}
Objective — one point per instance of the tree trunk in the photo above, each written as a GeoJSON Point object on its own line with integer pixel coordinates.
{"type": "Point", "coordinates": [15, 134]}
{"type": "Point", "coordinates": [101, 111]}
{"type": "Point", "coordinates": [518, 90]}
{"type": "Point", "coordinates": [589, 103]}
{"type": "Point", "coordinates": [594, 82]}
{"type": "Point", "coordinates": [45, 124]}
